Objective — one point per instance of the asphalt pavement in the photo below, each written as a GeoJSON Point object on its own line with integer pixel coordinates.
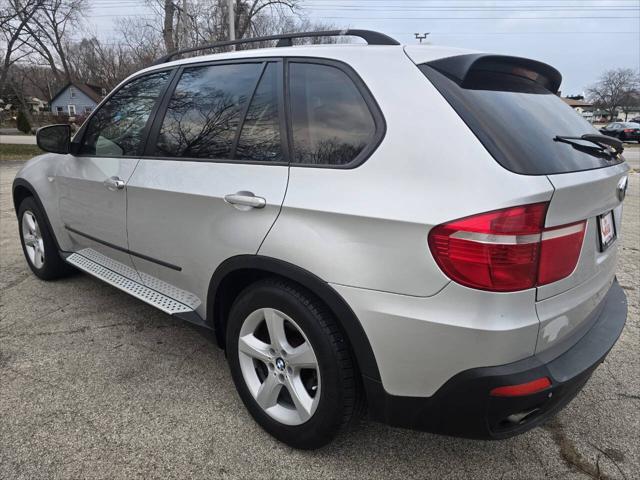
{"type": "Point", "coordinates": [96, 384]}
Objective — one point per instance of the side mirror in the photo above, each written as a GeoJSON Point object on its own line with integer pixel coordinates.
{"type": "Point", "coordinates": [54, 138]}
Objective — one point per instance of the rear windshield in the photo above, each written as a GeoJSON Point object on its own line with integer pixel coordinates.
{"type": "Point", "coordinates": [517, 120]}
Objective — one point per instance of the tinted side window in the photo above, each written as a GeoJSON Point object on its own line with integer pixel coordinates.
{"type": "Point", "coordinates": [331, 123]}
{"type": "Point", "coordinates": [204, 111]}
{"type": "Point", "coordinates": [117, 128]}
{"type": "Point", "coordinates": [260, 136]}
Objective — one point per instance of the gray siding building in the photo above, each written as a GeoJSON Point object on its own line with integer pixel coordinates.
{"type": "Point", "coordinates": [77, 99]}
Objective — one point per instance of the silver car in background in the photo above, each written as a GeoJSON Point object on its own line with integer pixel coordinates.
{"type": "Point", "coordinates": [425, 234]}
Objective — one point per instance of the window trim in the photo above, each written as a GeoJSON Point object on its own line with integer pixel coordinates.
{"type": "Point", "coordinates": [245, 111]}
{"type": "Point", "coordinates": [154, 132]}
{"type": "Point", "coordinates": [152, 128]}
{"type": "Point", "coordinates": [76, 142]}
{"type": "Point", "coordinates": [369, 100]}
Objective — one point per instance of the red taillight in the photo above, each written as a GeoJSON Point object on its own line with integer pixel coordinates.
{"type": "Point", "coordinates": [506, 250]}
{"type": "Point", "coordinates": [522, 389]}
{"type": "Point", "coordinates": [559, 252]}
{"type": "Point", "coordinates": [629, 130]}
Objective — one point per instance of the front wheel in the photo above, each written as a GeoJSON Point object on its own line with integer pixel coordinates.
{"type": "Point", "coordinates": [38, 244]}
{"type": "Point", "coordinates": [291, 364]}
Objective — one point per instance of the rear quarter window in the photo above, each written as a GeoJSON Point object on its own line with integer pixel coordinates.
{"type": "Point", "coordinates": [331, 122]}
{"type": "Point", "coordinates": [516, 120]}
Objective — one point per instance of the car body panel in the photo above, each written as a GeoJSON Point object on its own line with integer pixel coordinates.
{"type": "Point", "coordinates": [88, 208]}
{"type": "Point", "coordinates": [428, 53]}
{"type": "Point", "coordinates": [419, 343]}
{"type": "Point", "coordinates": [177, 214]}
{"type": "Point", "coordinates": [583, 196]}
{"type": "Point", "coordinates": [334, 221]}
{"type": "Point", "coordinates": [39, 173]}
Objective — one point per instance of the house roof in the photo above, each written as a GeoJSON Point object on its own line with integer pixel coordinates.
{"type": "Point", "coordinates": [94, 92]}
{"type": "Point", "coordinates": [576, 103]}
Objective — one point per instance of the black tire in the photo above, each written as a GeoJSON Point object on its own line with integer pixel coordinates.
{"type": "Point", "coordinates": [340, 393]}
{"type": "Point", "coordinates": [53, 266]}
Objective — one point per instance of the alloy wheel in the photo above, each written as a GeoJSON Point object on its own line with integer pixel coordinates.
{"type": "Point", "coordinates": [33, 242]}
{"type": "Point", "coordinates": [279, 366]}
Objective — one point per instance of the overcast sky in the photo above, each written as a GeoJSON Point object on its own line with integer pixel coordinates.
{"type": "Point", "coordinates": [581, 38]}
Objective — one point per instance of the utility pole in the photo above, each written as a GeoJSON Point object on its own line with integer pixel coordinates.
{"type": "Point", "coordinates": [421, 37]}
{"type": "Point", "coordinates": [232, 21]}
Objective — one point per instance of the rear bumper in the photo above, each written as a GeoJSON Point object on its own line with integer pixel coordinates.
{"type": "Point", "coordinates": [463, 406]}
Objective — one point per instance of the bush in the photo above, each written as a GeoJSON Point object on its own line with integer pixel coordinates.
{"type": "Point", "coordinates": [23, 123]}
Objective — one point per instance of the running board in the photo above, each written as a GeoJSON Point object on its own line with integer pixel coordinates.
{"type": "Point", "coordinates": [135, 289]}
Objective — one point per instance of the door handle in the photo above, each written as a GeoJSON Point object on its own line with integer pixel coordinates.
{"type": "Point", "coordinates": [114, 183]}
{"type": "Point", "coordinates": [245, 199]}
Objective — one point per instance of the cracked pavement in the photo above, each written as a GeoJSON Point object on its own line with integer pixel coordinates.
{"type": "Point", "coordinates": [96, 384]}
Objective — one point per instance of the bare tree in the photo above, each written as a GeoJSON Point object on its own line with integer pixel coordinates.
{"type": "Point", "coordinates": [247, 12]}
{"type": "Point", "coordinates": [189, 23]}
{"type": "Point", "coordinates": [48, 55]}
{"type": "Point", "coordinates": [270, 25]}
{"type": "Point", "coordinates": [630, 103]}
{"type": "Point", "coordinates": [18, 91]}
{"type": "Point", "coordinates": [167, 26]}
{"type": "Point", "coordinates": [91, 61]}
{"type": "Point", "coordinates": [49, 35]}
{"type": "Point", "coordinates": [143, 41]}
{"type": "Point", "coordinates": [613, 89]}
{"type": "Point", "coordinates": [14, 16]}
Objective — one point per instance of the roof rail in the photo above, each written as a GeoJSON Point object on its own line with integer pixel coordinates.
{"type": "Point", "coordinates": [286, 40]}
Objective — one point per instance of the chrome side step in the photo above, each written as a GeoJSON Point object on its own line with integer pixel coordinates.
{"type": "Point", "coordinates": [142, 292]}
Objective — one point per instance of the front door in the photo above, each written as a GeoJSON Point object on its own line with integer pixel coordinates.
{"type": "Point", "coordinates": [213, 179]}
{"type": "Point", "coordinates": [92, 194]}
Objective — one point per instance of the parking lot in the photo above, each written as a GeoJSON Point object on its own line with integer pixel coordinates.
{"type": "Point", "coordinates": [96, 384]}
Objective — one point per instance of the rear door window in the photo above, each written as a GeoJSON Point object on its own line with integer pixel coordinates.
{"type": "Point", "coordinates": [330, 120]}
{"type": "Point", "coordinates": [205, 110]}
{"type": "Point", "coordinates": [517, 120]}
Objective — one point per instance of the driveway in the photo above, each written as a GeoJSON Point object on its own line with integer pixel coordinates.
{"type": "Point", "coordinates": [96, 384]}
{"type": "Point", "coordinates": [632, 155]}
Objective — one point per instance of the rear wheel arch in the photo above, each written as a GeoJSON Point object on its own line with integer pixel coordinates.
{"type": "Point", "coordinates": [236, 273]}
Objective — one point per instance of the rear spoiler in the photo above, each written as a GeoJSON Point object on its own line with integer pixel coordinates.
{"type": "Point", "coordinates": [462, 68]}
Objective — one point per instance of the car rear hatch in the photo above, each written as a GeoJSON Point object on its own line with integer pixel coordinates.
{"type": "Point", "coordinates": [512, 105]}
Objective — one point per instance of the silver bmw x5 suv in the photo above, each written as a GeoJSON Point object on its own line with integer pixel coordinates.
{"type": "Point", "coordinates": [425, 234]}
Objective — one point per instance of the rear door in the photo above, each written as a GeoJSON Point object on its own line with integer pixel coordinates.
{"type": "Point", "coordinates": [213, 177]}
{"type": "Point", "coordinates": [92, 195]}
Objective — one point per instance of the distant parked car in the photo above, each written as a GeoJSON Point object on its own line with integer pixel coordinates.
{"type": "Point", "coordinates": [635, 119]}
{"type": "Point", "coordinates": [626, 131]}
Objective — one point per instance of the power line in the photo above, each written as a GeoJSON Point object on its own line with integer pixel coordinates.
{"type": "Point", "coordinates": [506, 2]}
{"type": "Point", "coordinates": [526, 33]}
{"type": "Point", "coordinates": [463, 10]}
{"type": "Point", "coordinates": [599, 17]}
{"type": "Point", "coordinates": [478, 9]}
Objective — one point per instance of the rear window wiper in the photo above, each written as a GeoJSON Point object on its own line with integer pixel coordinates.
{"type": "Point", "coordinates": [607, 147]}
